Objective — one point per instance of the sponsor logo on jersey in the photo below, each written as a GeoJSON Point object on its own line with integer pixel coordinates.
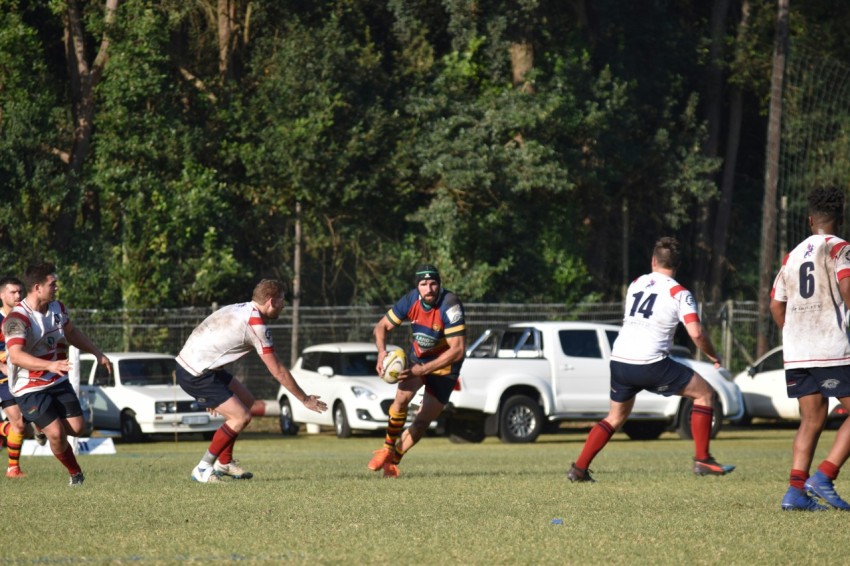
{"type": "Point", "coordinates": [690, 300]}
{"type": "Point", "coordinates": [425, 341]}
{"type": "Point", "coordinates": [809, 250]}
{"type": "Point", "coordinates": [454, 314]}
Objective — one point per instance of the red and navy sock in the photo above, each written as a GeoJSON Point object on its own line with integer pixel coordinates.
{"type": "Point", "coordinates": [798, 478]}
{"type": "Point", "coordinates": [599, 436]}
{"type": "Point", "coordinates": [829, 469]}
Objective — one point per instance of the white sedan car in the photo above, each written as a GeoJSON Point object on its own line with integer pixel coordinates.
{"type": "Point", "coordinates": [765, 393]}
{"type": "Point", "coordinates": [343, 375]}
{"type": "Point", "coordinates": [141, 397]}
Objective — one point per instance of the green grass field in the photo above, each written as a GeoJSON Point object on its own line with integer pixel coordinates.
{"type": "Point", "coordinates": [313, 501]}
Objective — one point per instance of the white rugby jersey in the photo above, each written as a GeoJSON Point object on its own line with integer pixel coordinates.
{"type": "Point", "coordinates": [42, 336]}
{"type": "Point", "coordinates": [225, 336]}
{"type": "Point", "coordinates": [655, 304]}
{"type": "Point", "coordinates": [815, 333]}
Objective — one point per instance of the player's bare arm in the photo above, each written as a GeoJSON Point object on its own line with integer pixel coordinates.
{"type": "Point", "coordinates": [284, 377]}
{"type": "Point", "coordinates": [455, 353]}
{"type": "Point", "coordinates": [844, 289]}
{"type": "Point", "coordinates": [777, 311]}
{"type": "Point", "coordinates": [77, 338]}
{"type": "Point", "coordinates": [20, 358]}
{"type": "Point", "coordinates": [703, 342]}
{"type": "Point", "coordinates": [381, 330]}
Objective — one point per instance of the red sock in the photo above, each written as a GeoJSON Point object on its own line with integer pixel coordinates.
{"type": "Point", "coordinates": [701, 417]}
{"type": "Point", "coordinates": [798, 478]}
{"type": "Point", "coordinates": [223, 437]}
{"type": "Point", "coordinates": [829, 469]}
{"type": "Point", "coordinates": [4, 428]}
{"type": "Point", "coordinates": [599, 436]}
{"type": "Point", "coordinates": [69, 461]}
{"type": "Point", "coordinates": [226, 455]}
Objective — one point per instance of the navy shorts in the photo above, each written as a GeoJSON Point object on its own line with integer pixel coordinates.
{"type": "Point", "coordinates": [664, 377]}
{"type": "Point", "coordinates": [56, 402]}
{"type": "Point", "coordinates": [829, 382]}
{"type": "Point", "coordinates": [6, 397]}
{"type": "Point", "coordinates": [439, 386]}
{"type": "Point", "coordinates": [211, 388]}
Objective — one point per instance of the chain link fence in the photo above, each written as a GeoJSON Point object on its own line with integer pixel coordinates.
{"type": "Point", "coordinates": [732, 326]}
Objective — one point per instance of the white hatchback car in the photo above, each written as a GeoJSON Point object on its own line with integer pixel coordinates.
{"type": "Point", "coordinates": [343, 375]}
{"type": "Point", "coordinates": [141, 397]}
{"type": "Point", "coordinates": [765, 393]}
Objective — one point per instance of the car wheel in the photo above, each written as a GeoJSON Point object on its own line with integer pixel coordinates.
{"type": "Point", "coordinates": [287, 424]}
{"type": "Point", "coordinates": [520, 419]}
{"type": "Point", "coordinates": [343, 429]}
{"type": "Point", "coordinates": [684, 428]}
{"type": "Point", "coordinates": [644, 430]}
{"type": "Point", "coordinates": [462, 431]}
{"type": "Point", "coordinates": [130, 429]}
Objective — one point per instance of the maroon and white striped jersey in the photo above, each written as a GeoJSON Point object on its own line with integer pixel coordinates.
{"type": "Point", "coordinates": [225, 336]}
{"type": "Point", "coordinates": [42, 336]}
{"type": "Point", "coordinates": [815, 331]}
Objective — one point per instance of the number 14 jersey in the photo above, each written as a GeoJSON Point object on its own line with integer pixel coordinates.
{"type": "Point", "coordinates": [815, 332]}
{"type": "Point", "coordinates": [655, 304]}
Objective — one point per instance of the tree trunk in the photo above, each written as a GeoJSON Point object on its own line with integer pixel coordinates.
{"type": "Point", "coordinates": [768, 257]}
{"type": "Point", "coordinates": [727, 186]}
{"type": "Point", "coordinates": [84, 79]}
{"type": "Point", "coordinates": [225, 14]}
{"type": "Point", "coordinates": [522, 61]}
{"type": "Point", "coordinates": [714, 115]}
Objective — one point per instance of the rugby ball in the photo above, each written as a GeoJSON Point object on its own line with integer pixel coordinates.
{"type": "Point", "coordinates": [394, 363]}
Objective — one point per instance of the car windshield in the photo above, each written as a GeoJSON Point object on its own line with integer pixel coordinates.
{"type": "Point", "coordinates": [154, 371]}
{"type": "Point", "coordinates": [358, 364]}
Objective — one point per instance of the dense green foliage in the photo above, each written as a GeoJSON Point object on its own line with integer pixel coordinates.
{"type": "Point", "coordinates": [533, 150]}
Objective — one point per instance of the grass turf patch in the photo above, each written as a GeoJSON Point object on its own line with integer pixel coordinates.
{"type": "Point", "coordinates": [312, 500]}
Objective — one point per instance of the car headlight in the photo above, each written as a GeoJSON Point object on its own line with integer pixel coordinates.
{"type": "Point", "coordinates": [163, 407]}
{"type": "Point", "coordinates": [363, 392]}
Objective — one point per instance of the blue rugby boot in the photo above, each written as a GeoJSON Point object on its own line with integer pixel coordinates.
{"type": "Point", "coordinates": [797, 499]}
{"type": "Point", "coordinates": [821, 486]}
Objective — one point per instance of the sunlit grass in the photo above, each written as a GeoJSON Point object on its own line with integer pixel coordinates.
{"type": "Point", "coordinates": [314, 501]}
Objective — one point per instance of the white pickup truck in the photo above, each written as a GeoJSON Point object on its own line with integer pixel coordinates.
{"type": "Point", "coordinates": [517, 381]}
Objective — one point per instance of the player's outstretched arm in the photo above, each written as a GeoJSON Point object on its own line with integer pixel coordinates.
{"type": "Point", "coordinates": [77, 337]}
{"type": "Point", "coordinates": [284, 377]}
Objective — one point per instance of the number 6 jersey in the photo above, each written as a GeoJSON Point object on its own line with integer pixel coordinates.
{"type": "Point", "coordinates": [655, 304]}
{"type": "Point", "coordinates": [815, 331]}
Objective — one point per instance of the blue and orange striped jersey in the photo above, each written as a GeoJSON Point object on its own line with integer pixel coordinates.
{"type": "Point", "coordinates": [430, 325]}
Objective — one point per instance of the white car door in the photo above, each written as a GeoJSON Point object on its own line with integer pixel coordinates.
{"type": "Point", "coordinates": [582, 375]}
{"type": "Point", "coordinates": [766, 396]}
{"type": "Point", "coordinates": [314, 383]}
{"type": "Point", "coordinates": [106, 415]}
